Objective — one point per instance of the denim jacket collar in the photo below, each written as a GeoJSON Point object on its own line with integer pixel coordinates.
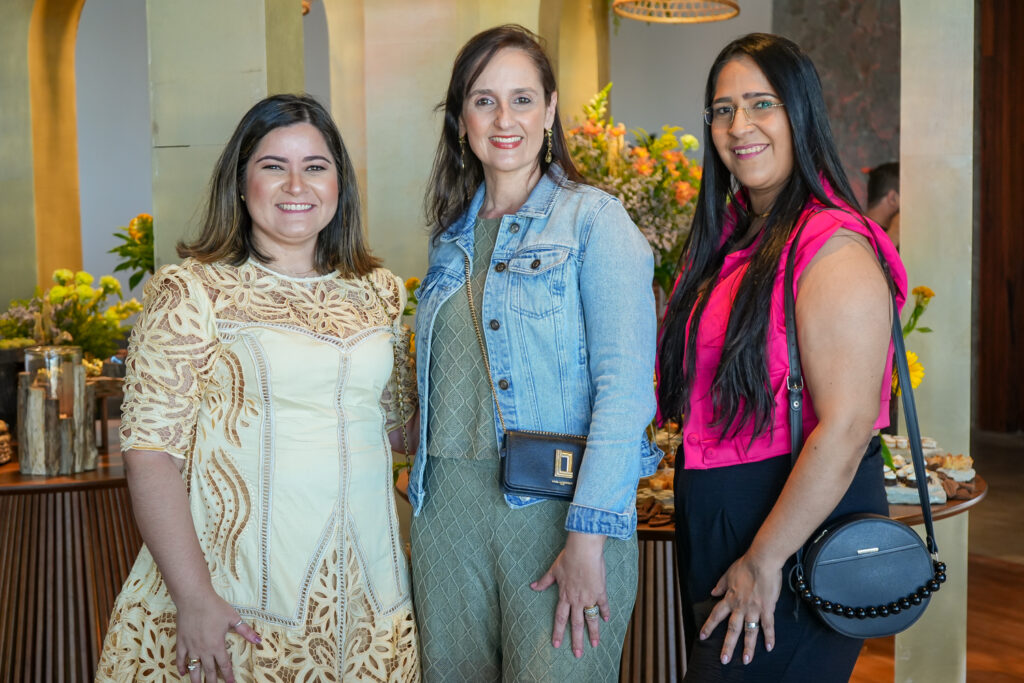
{"type": "Point", "coordinates": [538, 205]}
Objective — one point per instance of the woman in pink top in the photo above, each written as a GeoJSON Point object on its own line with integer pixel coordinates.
{"type": "Point", "coordinates": [770, 171]}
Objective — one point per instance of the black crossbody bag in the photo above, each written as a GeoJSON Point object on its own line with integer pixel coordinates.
{"type": "Point", "coordinates": [865, 575]}
{"type": "Point", "coordinates": [535, 464]}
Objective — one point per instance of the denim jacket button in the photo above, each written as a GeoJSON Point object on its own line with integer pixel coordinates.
{"type": "Point", "coordinates": [500, 267]}
{"type": "Point", "coordinates": [503, 384]}
{"type": "Point", "coordinates": [536, 264]}
{"type": "Point", "coordinates": [692, 439]}
{"type": "Point", "coordinates": [495, 324]}
{"type": "Point", "coordinates": [514, 228]}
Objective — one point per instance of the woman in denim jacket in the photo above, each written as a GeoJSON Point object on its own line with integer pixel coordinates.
{"type": "Point", "coordinates": [561, 279]}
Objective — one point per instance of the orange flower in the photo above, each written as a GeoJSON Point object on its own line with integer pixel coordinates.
{"type": "Point", "coordinates": [672, 156]}
{"type": "Point", "coordinates": [696, 171]}
{"type": "Point", "coordinates": [644, 166]}
{"type": "Point", "coordinates": [618, 130]}
{"type": "Point", "coordinates": [641, 152]}
{"type": "Point", "coordinates": [684, 192]}
{"type": "Point", "coordinates": [592, 128]}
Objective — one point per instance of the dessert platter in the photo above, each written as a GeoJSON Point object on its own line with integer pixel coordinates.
{"type": "Point", "coordinates": [655, 498]}
{"type": "Point", "coordinates": [950, 477]}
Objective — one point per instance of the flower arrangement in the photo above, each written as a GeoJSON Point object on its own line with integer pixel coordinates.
{"type": "Point", "coordinates": [136, 252]}
{"type": "Point", "coordinates": [922, 296]}
{"type": "Point", "coordinates": [71, 312]}
{"type": "Point", "coordinates": [652, 177]}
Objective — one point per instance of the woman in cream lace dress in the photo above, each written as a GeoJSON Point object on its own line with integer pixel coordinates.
{"type": "Point", "coordinates": [262, 385]}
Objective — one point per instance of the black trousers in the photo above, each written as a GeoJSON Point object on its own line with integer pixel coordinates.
{"type": "Point", "coordinates": [719, 511]}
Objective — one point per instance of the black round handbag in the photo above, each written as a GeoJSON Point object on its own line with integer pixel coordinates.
{"type": "Point", "coordinates": [865, 575]}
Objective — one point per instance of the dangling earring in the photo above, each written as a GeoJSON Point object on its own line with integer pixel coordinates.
{"type": "Point", "coordinates": [243, 198]}
{"type": "Point", "coordinates": [462, 152]}
{"type": "Point", "coordinates": [547, 157]}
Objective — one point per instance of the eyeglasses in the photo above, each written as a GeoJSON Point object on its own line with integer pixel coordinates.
{"type": "Point", "coordinates": [722, 115]}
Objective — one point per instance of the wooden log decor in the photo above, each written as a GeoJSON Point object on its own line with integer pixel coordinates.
{"type": "Point", "coordinates": [56, 413]}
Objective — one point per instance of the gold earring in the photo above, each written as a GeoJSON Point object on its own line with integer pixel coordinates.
{"type": "Point", "coordinates": [547, 157]}
{"type": "Point", "coordinates": [243, 197]}
{"type": "Point", "coordinates": [462, 151]}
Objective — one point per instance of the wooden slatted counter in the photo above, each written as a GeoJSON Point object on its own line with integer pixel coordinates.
{"type": "Point", "coordinates": [66, 546]}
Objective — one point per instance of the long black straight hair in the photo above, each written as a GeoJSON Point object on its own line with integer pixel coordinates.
{"type": "Point", "coordinates": [741, 392]}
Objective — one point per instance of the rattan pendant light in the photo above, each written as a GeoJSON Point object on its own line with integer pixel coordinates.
{"type": "Point", "coordinates": [678, 12]}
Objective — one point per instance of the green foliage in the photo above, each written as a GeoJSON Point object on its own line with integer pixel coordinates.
{"type": "Point", "coordinates": [136, 252]}
{"type": "Point", "coordinates": [72, 312]}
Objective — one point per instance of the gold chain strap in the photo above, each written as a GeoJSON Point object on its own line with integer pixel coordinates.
{"type": "Point", "coordinates": [480, 340]}
{"type": "Point", "coordinates": [399, 368]}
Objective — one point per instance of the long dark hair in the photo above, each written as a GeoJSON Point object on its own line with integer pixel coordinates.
{"type": "Point", "coordinates": [741, 390]}
{"type": "Point", "coordinates": [226, 234]}
{"type": "Point", "coordinates": [451, 187]}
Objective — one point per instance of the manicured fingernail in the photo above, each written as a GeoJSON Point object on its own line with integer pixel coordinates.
{"type": "Point", "coordinates": [556, 643]}
{"type": "Point", "coordinates": [769, 646]}
{"type": "Point", "coordinates": [578, 653]}
{"type": "Point", "coordinates": [746, 659]}
{"type": "Point", "coordinates": [593, 642]}
{"type": "Point", "coordinates": [607, 618]}
{"type": "Point", "coordinates": [703, 636]}
{"type": "Point", "coordinates": [725, 659]}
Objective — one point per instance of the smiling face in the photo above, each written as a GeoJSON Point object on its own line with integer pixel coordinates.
{"type": "Point", "coordinates": [759, 155]}
{"type": "Point", "coordinates": [291, 189]}
{"type": "Point", "coordinates": [504, 115]}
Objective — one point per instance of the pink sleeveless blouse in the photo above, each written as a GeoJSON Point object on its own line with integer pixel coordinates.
{"type": "Point", "coordinates": [703, 446]}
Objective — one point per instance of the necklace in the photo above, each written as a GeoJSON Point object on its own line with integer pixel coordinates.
{"type": "Point", "coordinates": [762, 215]}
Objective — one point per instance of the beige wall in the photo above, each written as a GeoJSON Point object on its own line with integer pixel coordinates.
{"type": "Point", "coordinates": [17, 219]}
{"type": "Point", "coordinates": [208, 63]}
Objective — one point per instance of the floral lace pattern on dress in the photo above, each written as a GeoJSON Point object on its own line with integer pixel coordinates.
{"type": "Point", "coordinates": [141, 643]}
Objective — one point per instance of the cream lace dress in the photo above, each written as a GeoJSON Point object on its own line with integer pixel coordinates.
{"type": "Point", "coordinates": [277, 393]}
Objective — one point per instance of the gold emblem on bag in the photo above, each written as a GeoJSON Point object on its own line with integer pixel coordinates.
{"type": "Point", "coordinates": [563, 464]}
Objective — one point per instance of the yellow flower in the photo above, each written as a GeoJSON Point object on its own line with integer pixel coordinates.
{"type": "Point", "coordinates": [921, 290]}
{"type": "Point", "coordinates": [85, 292]}
{"type": "Point", "coordinates": [58, 293]}
{"type": "Point", "coordinates": [689, 142]}
{"type": "Point", "coordinates": [83, 278]}
{"type": "Point", "coordinates": [109, 283]}
{"type": "Point", "coordinates": [63, 276]}
{"type": "Point", "coordinates": [412, 343]}
{"type": "Point", "coordinates": [412, 284]}
{"type": "Point", "coordinates": [916, 373]}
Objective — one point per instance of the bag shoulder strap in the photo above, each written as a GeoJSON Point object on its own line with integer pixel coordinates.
{"type": "Point", "coordinates": [795, 383]}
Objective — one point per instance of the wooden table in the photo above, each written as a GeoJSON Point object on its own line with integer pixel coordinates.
{"type": "Point", "coordinates": [66, 546]}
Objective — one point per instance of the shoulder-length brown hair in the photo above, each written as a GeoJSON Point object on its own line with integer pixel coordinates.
{"type": "Point", "coordinates": [227, 227]}
{"type": "Point", "coordinates": [451, 187]}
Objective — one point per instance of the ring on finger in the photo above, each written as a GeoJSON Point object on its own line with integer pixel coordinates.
{"type": "Point", "coordinates": [238, 623]}
{"type": "Point", "coordinates": [192, 666]}
{"type": "Point", "coordinates": [750, 625]}
{"type": "Point", "coordinates": [591, 613]}
{"type": "Point", "coordinates": [193, 660]}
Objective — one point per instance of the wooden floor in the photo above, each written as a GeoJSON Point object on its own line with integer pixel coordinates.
{"type": "Point", "coordinates": [995, 628]}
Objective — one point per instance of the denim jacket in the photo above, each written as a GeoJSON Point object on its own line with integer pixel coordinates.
{"type": "Point", "coordinates": [570, 332]}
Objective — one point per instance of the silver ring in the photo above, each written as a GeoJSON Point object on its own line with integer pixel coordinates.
{"type": "Point", "coordinates": [591, 613]}
{"type": "Point", "coordinates": [750, 625]}
{"type": "Point", "coordinates": [238, 623]}
{"type": "Point", "coordinates": [192, 667]}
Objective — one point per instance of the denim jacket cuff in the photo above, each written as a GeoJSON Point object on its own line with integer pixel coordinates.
{"type": "Point", "coordinates": [587, 520]}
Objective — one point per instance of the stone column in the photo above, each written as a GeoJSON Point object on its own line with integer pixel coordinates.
{"type": "Point", "coordinates": [936, 190]}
